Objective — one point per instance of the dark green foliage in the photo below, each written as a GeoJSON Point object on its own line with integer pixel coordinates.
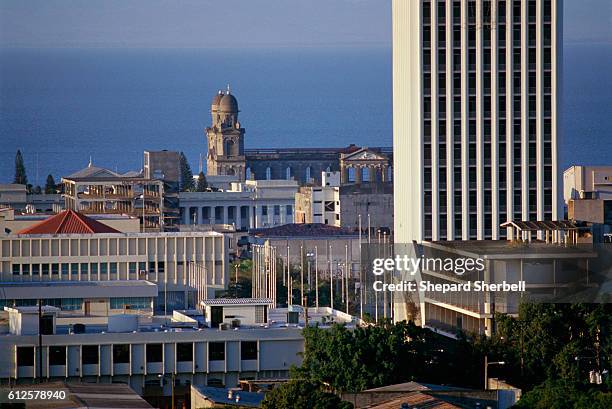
{"type": "Point", "coordinates": [545, 339]}
{"type": "Point", "coordinates": [539, 347]}
{"type": "Point", "coordinates": [202, 184]}
{"type": "Point", "coordinates": [300, 394]}
{"type": "Point", "coordinates": [353, 360]}
{"type": "Point", "coordinates": [187, 184]}
{"type": "Point", "coordinates": [564, 395]}
{"type": "Point", "coordinates": [20, 171]}
{"type": "Point", "coordinates": [50, 187]}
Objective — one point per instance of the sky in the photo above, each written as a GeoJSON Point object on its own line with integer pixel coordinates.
{"type": "Point", "coordinates": [233, 23]}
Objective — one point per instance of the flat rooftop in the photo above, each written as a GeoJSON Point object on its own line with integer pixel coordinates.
{"type": "Point", "coordinates": [228, 302]}
{"type": "Point", "coordinates": [78, 289]}
{"type": "Point", "coordinates": [504, 249]}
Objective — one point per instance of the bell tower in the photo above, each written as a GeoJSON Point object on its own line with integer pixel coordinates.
{"type": "Point", "coordinates": [225, 138]}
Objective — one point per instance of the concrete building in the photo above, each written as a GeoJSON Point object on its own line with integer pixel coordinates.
{"type": "Point", "coordinates": [318, 204]}
{"type": "Point", "coordinates": [476, 97]}
{"type": "Point", "coordinates": [15, 196]}
{"type": "Point", "coordinates": [12, 221]}
{"type": "Point", "coordinates": [550, 271]}
{"type": "Point", "coordinates": [95, 190]}
{"type": "Point", "coordinates": [164, 165]}
{"type": "Point", "coordinates": [182, 264]}
{"type": "Point", "coordinates": [87, 303]}
{"type": "Point", "coordinates": [247, 205]}
{"type": "Point", "coordinates": [143, 355]}
{"type": "Point", "coordinates": [587, 191]}
{"type": "Point", "coordinates": [344, 204]}
{"type": "Point", "coordinates": [371, 202]}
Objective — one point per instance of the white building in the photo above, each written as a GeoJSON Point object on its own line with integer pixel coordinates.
{"type": "Point", "coordinates": [121, 350]}
{"type": "Point", "coordinates": [476, 97]}
{"type": "Point", "coordinates": [318, 204]}
{"type": "Point", "coordinates": [247, 205]}
{"type": "Point", "coordinates": [587, 182]}
{"type": "Point", "coordinates": [184, 265]}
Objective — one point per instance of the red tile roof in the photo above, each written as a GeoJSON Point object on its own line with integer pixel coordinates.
{"type": "Point", "coordinates": [68, 222]}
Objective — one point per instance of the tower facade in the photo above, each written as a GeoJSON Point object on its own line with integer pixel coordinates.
{"type": "Point", "coordinates": [225, 138]}
{"type": "Point", "coordinates": [476, 99]}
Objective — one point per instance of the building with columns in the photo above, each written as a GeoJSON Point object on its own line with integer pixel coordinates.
{"type": "Point", "coordinates": [247, 205]}
{"type": "Point", "coordinates": [364, 165]}
{"type": "Point", "coordinates": [228, 156]}
{"type": "Point", "coordinates": [476, 100]}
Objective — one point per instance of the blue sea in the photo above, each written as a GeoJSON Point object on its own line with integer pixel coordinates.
{"type": "Point", "coordinates": [63, 106]}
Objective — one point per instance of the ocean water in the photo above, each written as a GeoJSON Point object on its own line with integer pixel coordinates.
{"type": "Point", "coordinates": [63, 106]}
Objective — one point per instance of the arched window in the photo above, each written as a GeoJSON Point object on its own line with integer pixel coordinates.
{"type": "Point", "coordinates": [229, 148]}
{"type": "Point", "coordinates": [288, 173]}
{"type": "Point", "coordinates": [248, 173]}
{"type": "Point", "coordinates": [268, 173]}
{"type": "Point", "coordinates": [308, 174]}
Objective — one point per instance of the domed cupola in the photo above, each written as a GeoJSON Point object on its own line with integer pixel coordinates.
{"type": "Point", "coordinates": [214, 105]}
{"type": "Point", "coordinates": [228, 103]}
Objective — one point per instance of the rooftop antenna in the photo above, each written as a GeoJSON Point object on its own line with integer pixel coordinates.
{"type": "Point", "coordinates": [90, 162]}
{"type": "Point", "coordinates": [228, 89]}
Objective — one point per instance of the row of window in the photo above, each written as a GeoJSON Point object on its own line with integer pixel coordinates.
{"type": "Point", "coordinates": [276, 210]}
{"type": "Point", "coordinates": [65, 304]}
{"type": "Point", "coordinates": [487, 11]}
{"type": "Point", "coordinates": [74, 269]}
{"type": "Point", "coordinates": [75, 304]}
{"type": "Point", "coordinates": [121, 353]}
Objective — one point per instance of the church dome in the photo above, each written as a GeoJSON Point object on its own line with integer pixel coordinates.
{"type": "Point", "coordinates": [228, 103]}
{"type": "Point", "coordinates": [217, 99]}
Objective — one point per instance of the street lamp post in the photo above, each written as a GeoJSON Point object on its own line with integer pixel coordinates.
{"type": "Point", "coordinates": [486, 370]}
{"type": "Point", "coordinates": [162, 376]}
{"type": "Point", "coordinates": [316, 277]}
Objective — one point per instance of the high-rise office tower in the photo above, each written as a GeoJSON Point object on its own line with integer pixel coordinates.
{"type": "Point", "coordinates": [476, 107]}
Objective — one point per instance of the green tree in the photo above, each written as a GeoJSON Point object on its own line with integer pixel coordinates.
{"type": "Point", "coordinates": [351, 360]}
{"type": "Point", "coordinates": [564, 395]}
{"type": "Point", "coordinates": [299, 394]}
{"type": "Point", "coordinates": [202, 184]}
{"type": "Point", "coordinates": [50, 186]}
{"type": "Point", "coordinates": [187, 184]}
{"type": "Point", "coordinates": [20, 170]}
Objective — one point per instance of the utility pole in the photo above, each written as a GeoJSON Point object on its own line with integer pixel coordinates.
{"type": "Point", "coordinates": [40, 340]}
{"type": "Point", "coordinates": [331, 280]}
{"type": "Point", "coordinates": [302, 273]}
{"type": "Point", "coordinates": [316, 278]}
{"type": "Point", "coordinates": [346, 276]}
{"type": "Point", "coordinates": [236, 281]}
{"type": "Point", "coordinates": [360, 275]}
{"type": "Point", "coordinates": [384, 277]}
